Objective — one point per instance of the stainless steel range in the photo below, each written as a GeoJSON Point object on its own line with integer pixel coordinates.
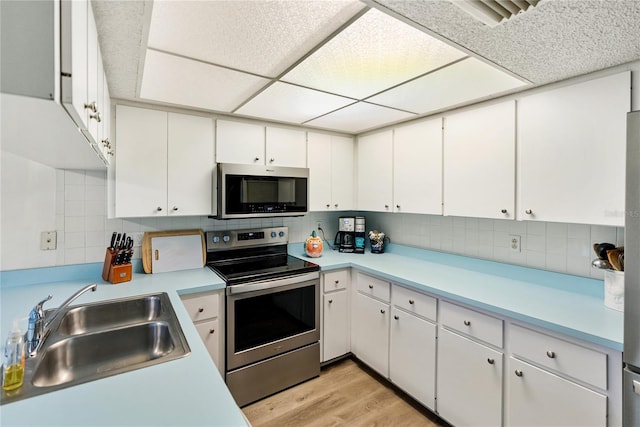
{"type": "Point", "coordinates": [273, 314]}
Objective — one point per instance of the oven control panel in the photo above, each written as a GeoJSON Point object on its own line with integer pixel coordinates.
{"type": "Point", "coordinates": [232, 239]}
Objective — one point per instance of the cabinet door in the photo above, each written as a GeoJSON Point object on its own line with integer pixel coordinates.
{"type": "Point", "coordinates": [239, 143]}
{"type": "Point", "coordinates": [571, 152]}
{"type": "Point", "coordinates": [209, 332]}
{"type": "Point", "coordinates": [74, 15]}
{"type": "Point", "coordinates": [190, 164]}
{"type": "Point", "coordinates": [479, 162]}
{"type": "Point", "coordinates": [106, 143]}
{"type": "Point", "coordinates": [375, 172]}
{"type": "Point", "coordinates": [417, 168]}
{"type": "Point", "coordinates": [341, 173]}
{"type": "Point", "coordinates": [141, 162]}
{"type": "Point", "coordinates": [537, 397]}
{"type": "Point", "coordinates": [335, 332]}
{"type": "Point", "coordinates": [93, 73]}
{"type": "Point", "coordinates": [370, 332]}
{"type": "Point", "coordinates": [469, 381]}
{"type": "Point", "coordinates": [286, 147]}
{"type": "Point", "coordinates": [319, 159]}
{"type": "Point", "coordinates": [412, 356]}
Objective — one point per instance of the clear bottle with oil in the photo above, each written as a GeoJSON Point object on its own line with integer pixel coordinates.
{"type": "Point", "coordinates": [13, 361]}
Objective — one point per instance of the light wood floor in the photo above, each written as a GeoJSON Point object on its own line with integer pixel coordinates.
{"type": "Point", "coordinates": [346, 393]}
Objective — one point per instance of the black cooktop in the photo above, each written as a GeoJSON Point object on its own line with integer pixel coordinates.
{"type": "Point", "coordinates": [250, 269]}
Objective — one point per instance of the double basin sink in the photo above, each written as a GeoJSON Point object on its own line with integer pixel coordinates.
{"type": "Point", "coordinates": [98, 340]}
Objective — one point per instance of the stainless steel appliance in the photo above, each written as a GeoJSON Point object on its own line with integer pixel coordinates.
{"type": "Point", "coordinates": [272, 311]}
{"type": "Point", "coordinates": [246, 191]}
{"type": "Point", "coordinates": [631, 353]}
{"type": "Point", "coordinates": [350, 235]}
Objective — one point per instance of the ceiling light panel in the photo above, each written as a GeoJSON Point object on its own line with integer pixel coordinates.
{"type": "Point", "coordinates": [375, 52]}
{"type": "Point", "coordinates": [293, 104]}
{"type": "Point", "coordinates": [262, 37]}
{"type": "Point", "coordinates": [359, 117]}
{"type": "Point", "coordinates": [463, 82]}
{"type": "Point", "coordinates": [177, 80]}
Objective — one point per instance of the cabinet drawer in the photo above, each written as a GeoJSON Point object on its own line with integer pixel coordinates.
{"type": "Point", "coordinates": [373, 286]}
{"type": "Point", "coordinates": [472, 323]}
{"type": "Point", "coordinates": [210, 334]}
{"type": "Point", "coordinates": [334, 280]}
{"type": "Point", "coordinates": [201, 307]}
{"type": "Point", "coordinates": [414, 302]}
{"type": "Point", "coordinates": [564, 357]}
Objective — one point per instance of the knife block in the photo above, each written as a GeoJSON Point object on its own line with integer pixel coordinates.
{"type": "Point", "coordinates": [115, 273]}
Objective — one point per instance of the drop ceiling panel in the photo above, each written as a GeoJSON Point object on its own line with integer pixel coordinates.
{"type": "Point", "coordinates": [462, 82]}
{"type": "Point", "coordinates": [294, 104]}
{"type": "Point", "coordinates": [262, 37]}
{"type": "Point", "coordinates": [375, 52]}
{"type": "Point", "coordinates": [359, 117]}
{"type": "Point", "coordinates": [176, 80]}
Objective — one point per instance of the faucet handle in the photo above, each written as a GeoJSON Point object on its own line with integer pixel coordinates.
{"type": "Point", "coordinates": [37, 310]}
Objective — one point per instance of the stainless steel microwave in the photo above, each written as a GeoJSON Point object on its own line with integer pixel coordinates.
{"type": "Point", "coordinates": [249, 191]}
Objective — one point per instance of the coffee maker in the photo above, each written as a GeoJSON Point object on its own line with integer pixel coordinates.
{"type": "Point", "coordinates": [350, 236]}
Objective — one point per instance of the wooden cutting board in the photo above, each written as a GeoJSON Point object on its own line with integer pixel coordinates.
{"type": "Point", "coordinates": [164, 251]}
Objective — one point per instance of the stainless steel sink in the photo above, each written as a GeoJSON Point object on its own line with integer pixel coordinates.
{"type": "Point", "coordinates": [98, 340]}
{"type": "Point", "coordinates": [113, 314]}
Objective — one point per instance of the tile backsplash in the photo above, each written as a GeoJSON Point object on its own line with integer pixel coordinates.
{"type": "Point", "coordinates": [84, 231]}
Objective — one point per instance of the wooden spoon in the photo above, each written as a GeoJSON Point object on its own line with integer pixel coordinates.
{"type": "Point", "coordinates": [614, 258]}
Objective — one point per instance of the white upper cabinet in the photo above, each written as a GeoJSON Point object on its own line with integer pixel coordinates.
{"type": "Point", "coordinates": [248, 143]}
{"type": "Point", "coordinates": [164, 163]}
{"type": "Point", "coordinates": [330, 160]}
{"type": "Point", "coordinates": [286, 147]}
{"type": "Point", "coordinates": [479, 162]}
{"type": "Point", "coordinates": [238, 142]}
{"type": "Point", "coordinates": [417, 168]}
{"type": "Point", "coordinates": [571, 152]}
{"type": "Point", "coordinates": [74, 16]}
{"type": "Point", "coordinates": [375, 172]}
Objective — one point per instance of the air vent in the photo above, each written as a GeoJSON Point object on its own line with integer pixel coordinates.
{"type": "Point", "coordinates": [494, 12]}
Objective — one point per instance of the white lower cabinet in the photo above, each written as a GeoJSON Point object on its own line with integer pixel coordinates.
{"type": "Point", "coordinates": [469, 381]}
{"type": "Point", "coordinates": [335, 341]}
{"type": "Point", "coordinates": [412, 356]}
{"type": "Point", "coordinates": [370, 332]}
{"type": "Point", "coordinates": [206, 311]}
{"type": "Point", "coordinates": [540, 398]}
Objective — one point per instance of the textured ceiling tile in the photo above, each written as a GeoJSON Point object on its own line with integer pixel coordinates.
{"type": "Point", "coordinates": [463, 82]}
{"type": "Point", "coordinates": [557, 39]}
{"type": "Point", "coordinates": [176, 80]}
{"type": "Point", "coordinates": [373, 53]}
{"type": "Point", "coordinates": [359, 117]}
{"type": "Point", "coordinates": [262, 37]}
{"type": "Point", "coordinates": [120, 26]}
{"type": "Point", "coordinates": [293, 104]}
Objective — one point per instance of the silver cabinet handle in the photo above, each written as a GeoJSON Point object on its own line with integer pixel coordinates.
{"type": "Point", "coordinates": [491, 361]}
{"type": "Point", "coordinates": [106, 143]}
{"type": "Point", "coordinates": [175, 208]}
{"type": "Point", "coordinates": [111, 153]}
{"type": "Point", "coordinates": [397, 206]}
{"type": "Point", "coordinates": [411, 301]}
{"type": "Point", "coordinates": [337, 281]}
{"type": "Point", "coordinates": [396, 317]}
{"type": "Point", "coordinates": [336, 205]}
{"type": "Point", "coordinates": [271, 160]}
{"type": "Point", "coordinates": [330, 301]}
{"type": "Point", "coordinates": [211, 331]}
{"type": "Point", "coordinates": [328, 205]}
{"type": "Point", "coordinates": [518, 373]}
{"type": "Point", "coordinates": [200, 310]}
{"type": "Point", "coordinates": [467, 323]}
{"type": "Point", "coordinates": [96, 116]}
{"type": "Point", "coordinates": [386, 206]}
{"type": "Point", "coordinates": [551, 354]}
{"type": "Point", "coordinates": [382, 310]}
{"type": "Point", "coordinates": [528, 212]}
{"type": "Point", "coordinates": [370, 286]}
{"type": "Point", "coordinates": [504, 211]}
{"type": "Point", "coordinates": [256, 159]}
{"type": "Point", "coordinates": [158, 208]}
{"type": "Point", "coordinates": [92, 106]}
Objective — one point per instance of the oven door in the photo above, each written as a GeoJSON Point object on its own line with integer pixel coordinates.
{"type": "Point", "coordinates": [265, 319]}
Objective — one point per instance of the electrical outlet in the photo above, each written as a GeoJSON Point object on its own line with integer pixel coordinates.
{"type": "Point", "coordinates": [319, 227]}
{"type": "Point", "coordinates": [137, 238]}
{"type": "Point", "coordinates": [48, 240]}
{"type": "Point", "coordinates": [514, 243]}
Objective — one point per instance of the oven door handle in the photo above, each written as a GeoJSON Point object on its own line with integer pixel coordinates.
{"type": "Point", "coordinates": [269, 284]}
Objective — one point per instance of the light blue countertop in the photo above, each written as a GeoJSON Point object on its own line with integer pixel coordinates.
{"type": "Point", "coordinates": [186, 391]}
{"type": "Point", "coordinates": [568, 304]}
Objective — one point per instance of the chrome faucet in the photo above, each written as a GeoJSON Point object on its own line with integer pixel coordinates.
{"type": "Point", "coordinates": [39, 326]}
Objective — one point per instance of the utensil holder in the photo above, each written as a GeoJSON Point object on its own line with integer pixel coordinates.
{"type": "Point", "coordinates": [115, 273]}
{"type": "Point", "coordinates": [614, 289]}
